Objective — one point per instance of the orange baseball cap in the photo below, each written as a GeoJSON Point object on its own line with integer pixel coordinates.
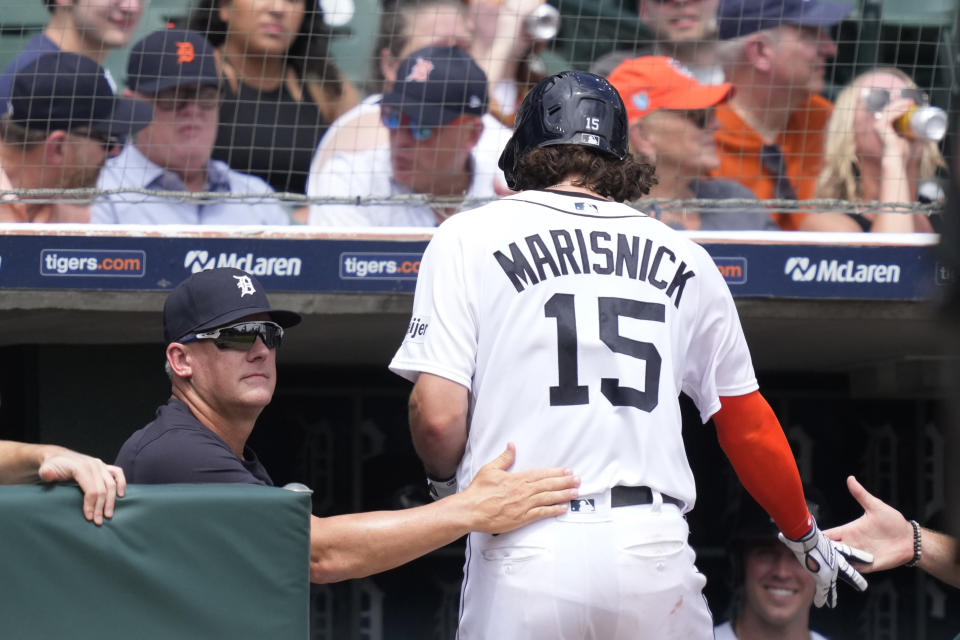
{"type": "Point", "coordinates": [651, 83]}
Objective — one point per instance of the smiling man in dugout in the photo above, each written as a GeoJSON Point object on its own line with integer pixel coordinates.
{"type": "Point", "coordinates": [772, 592]}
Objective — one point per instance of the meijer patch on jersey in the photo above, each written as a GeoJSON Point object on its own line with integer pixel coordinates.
{"type": "Point", "coordinates": [417, 329]}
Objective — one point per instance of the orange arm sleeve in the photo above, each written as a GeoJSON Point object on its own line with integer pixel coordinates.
{"type": "Point", "coordinates": [751, 436]}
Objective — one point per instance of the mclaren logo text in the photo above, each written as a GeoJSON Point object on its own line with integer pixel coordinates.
{"type": "Point", "coordinates": [803, 269]}
{"type": "Point", "coordinates": [199, 260]}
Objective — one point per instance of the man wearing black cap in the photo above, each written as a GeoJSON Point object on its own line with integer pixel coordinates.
{"type": "Point", "coordinates": [772, 592]}
{"type": "Point", "coordinates": [222, 338]}
{"type": "Point", "coordinates": [222, 377]}
{"type": "Point", "coordinates": [62, 121]}
{"type": "Point", "coordinates": [175, 71]}
{"type": "Point", "coordinates": [771, 132]}
{"type": "Point", "coordinates": [434, 113]}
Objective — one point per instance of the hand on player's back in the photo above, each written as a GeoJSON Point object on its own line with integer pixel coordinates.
{"type": "Point", "coordinates": [503, 501]}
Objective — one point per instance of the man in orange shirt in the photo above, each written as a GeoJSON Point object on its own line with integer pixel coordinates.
{"type": "Point", "coordinates": [771, 131]}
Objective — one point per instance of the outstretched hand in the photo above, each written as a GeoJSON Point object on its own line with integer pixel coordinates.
{"type": "Point", "coordinates": [503, 501]}
{"type": "Point", "coordinates": [881, 530]}
{"type": "Point", "coordinates": [101, 483]}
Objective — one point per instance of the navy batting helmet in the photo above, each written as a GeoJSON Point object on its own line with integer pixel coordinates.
{"type": "Point", "coordinates": [571, 107]}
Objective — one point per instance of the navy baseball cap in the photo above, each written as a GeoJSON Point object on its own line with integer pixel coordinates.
{"type": "Point", "coordinates": [65, 91]}
{"type": "Point", "coordinates": [737, 18]}
{"type": "Point", "coordinates": [216, 298]}
{"type": "Point", "coordinates": [171, 58]}
{"type": "Point", "coordinates": [436, 85]}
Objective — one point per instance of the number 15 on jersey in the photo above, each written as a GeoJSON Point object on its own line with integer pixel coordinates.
{"type": "Point", "coordinates": [569, 391]}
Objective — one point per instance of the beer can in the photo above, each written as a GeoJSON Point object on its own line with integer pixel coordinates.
{"type": "Point", "coordinates": [922, 123]}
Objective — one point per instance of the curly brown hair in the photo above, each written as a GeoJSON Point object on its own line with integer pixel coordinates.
{"type": "Point", "coordinates": [620, 180]}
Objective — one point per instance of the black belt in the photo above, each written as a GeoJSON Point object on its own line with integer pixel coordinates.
{"type": "Point", "coordinates": [621, 496]}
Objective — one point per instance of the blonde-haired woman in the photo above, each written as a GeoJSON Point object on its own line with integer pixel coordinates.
{"type": "Point", "coordinates": [865, 159]}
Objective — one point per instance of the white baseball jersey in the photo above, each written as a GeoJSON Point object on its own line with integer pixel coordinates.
{"type": "Point", "coordinates": [575, 323]}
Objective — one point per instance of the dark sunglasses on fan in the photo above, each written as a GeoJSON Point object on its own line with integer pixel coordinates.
{"type": "Point", "coordinates": [874, 100]}
{"type": "Point", "coordinates": [242, 335]}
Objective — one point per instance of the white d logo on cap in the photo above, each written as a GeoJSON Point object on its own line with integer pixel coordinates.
{"type": "Point", "coordinates": [245, 285]}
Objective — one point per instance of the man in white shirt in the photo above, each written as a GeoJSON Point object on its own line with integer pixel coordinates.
{"type": "Point", "coordinates": [434, 113]}
{"type": "Point", "coordinates": [405, 27]}
{"type": "Point", "coordinates": [175, 71]}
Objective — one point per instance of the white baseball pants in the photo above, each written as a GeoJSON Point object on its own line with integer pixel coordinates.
{"type": "Point", "coordinates": [624, 573]}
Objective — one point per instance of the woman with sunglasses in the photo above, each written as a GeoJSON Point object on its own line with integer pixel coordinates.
{"type": "Point", "coordinates": [866, 159]}
{"type": "Point", "coordinates": [672, 124]}
{"type": "Point", "coordinates": [282, 87]}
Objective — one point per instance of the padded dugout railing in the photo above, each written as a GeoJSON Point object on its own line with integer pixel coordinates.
{"type": "Point", "coordinates": [206, 562]}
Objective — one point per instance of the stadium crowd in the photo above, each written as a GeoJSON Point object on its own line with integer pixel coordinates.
{"type": "Point", "coordinates": [727, 101]}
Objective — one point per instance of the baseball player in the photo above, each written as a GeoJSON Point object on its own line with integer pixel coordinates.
{"type": "Point", "coordinates": [569, 323]}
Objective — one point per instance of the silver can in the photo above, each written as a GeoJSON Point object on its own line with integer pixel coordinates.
{"type": "Point", "coordinates": [543, 23]}
{"type": "Point", "coordinates": [923, 123]}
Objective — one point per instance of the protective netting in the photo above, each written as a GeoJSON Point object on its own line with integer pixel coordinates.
{"type": "Point", "coordinates": [364, 112]}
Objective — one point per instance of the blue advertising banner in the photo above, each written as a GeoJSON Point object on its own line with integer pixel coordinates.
{"type": "Point", "coordinates": [384, 265]}
{"type": "Point", "coordinates": [890, 272]}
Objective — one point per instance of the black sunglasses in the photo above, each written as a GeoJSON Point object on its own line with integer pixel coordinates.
{"type": "Point", "coordinates": [242, 335]}
{"type": "Point", "coordinates": [876, 99]}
